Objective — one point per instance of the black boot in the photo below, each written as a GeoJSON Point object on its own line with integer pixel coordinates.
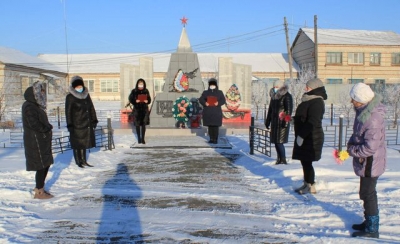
{"type": "Point", "coordinates": [371, 228]}
{"type": "Point", "coordinates": [278, 160]}
{"type": "Point", "coordinates": [83, 158]}
{"type": "Point", "coordinates": [139, 139]}
{"type": "Point", "coordinates": [77, 158]}
{"type": "Point", "coordinates": [359, 226]}
{"type": "Point", "coordinates": [283, 160]}
{"type": "Point", "coordinates": [143, 133]}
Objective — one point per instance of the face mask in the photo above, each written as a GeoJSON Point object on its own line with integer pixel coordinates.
{"type": "Point", "coordinates": [212, 87]}
{"type": "Point", "coordinates": [276, 89]}
{"type": "Point", "coordinates": [140, 86]}
{"type": "Point", "coordinates": [79, 89]}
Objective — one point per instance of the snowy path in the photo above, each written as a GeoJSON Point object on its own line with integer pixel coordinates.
{"type": "Point", "coordinates": [202, 195]}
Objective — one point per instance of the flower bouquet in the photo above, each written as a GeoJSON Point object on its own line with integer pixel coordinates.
{"type": "Point", "coordinates": [340, 156]}
{"type": "Point", "coordinates": [284, 117]}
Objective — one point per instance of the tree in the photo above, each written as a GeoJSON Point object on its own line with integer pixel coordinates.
{"type": "Point", "coordinates": [258, 95]}
{"type": "Point", "coordinates": [392, 98]}
{"type": "Point", "coordinates": [10, 91]}
{"type": "Point", "coordinates": [345, 105]}
{"type": "Point", "coordinates": [297, 86]}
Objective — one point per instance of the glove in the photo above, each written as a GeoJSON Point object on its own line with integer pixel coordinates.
{"type": "Point", "coordinates": [94, 125]}
{"type": "Point", "coordinates": [267, 127]}
{"type": "Point", "coordinates": [51, 126]}
{"type": "Point", "coordinates": [299, 141]}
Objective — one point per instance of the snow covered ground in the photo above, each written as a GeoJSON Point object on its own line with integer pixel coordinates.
{"type": "Point", "coordinates": [187, 195]}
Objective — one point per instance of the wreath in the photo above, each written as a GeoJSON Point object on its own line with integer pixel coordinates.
{"type": "Point", "coordinates": [182, 109]}
{"type": "Point", "coordinates": [233, 98]}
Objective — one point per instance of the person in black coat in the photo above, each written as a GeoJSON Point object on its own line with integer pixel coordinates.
{"type": "Point", "coordinates": [81, 120]}
{"type": "Point", "coordinates": [212, 99]}
{"type": "Point", "coordinates": [309, 132]}
{"type": "Point", "coordinates": [140, 99]}
{"type": "Point", "coordinates": [279, 115]}
{"type": "Point", "coordinates": [37, 137]}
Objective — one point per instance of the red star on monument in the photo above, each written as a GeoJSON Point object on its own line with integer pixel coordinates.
{"type": "Point", "coordinates": [184, 21]}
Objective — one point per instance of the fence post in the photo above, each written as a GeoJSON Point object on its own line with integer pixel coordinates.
{"type": "Point", "coordinates": [331, 114]}
{"type": "Point", "coordinates": [265, 112]}
{"type": "Point", "coordinates": [58, 117]}
{"type": "Point", "coordinates": [109, 130]}
{"type": "Point", "coordinates": [340, 132]}
{"type": "Point", "coordinates": [252, 136]}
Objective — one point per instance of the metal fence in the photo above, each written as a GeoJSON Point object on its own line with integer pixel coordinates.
{"type": "Point", "coordinates": [60, 143]}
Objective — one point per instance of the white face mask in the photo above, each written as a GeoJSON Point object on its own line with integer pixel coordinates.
{"type": "Point", "coordinates": [79, 89]}
{"type": "Point", "coordinates": [275, 89]}
{"type": "Point", "coordinates": [212, 87]}
{"type": "Point", "coordinates": [140, 86]}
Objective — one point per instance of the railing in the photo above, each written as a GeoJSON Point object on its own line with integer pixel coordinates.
{"type": "Point", "coordinates": [60, 143]}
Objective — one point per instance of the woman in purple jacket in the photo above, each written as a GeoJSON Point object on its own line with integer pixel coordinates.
{"type": "Point", "coordinates": [367, 146]}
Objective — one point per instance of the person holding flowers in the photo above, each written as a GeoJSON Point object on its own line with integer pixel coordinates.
{"type": "Point", "coordinates": [309, 133]}
{"type": "Point", "coordinates": [278, 117]}
{"type": "Point", "coordinates": [367, 146]}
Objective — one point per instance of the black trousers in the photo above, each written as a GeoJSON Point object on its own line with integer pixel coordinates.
{"type": "Point", "coordinates": [40, 177]}
{"type": "Point", "coordinates": [308, 171]}
{"type": "Point", "coordinates": [280, 150]}
{"type": "Point", "coordinates": [140, 132]}
{"type": "Point", "coordinates": [368, 195]}
{"type": "Point", "coordinates": [213, 132]}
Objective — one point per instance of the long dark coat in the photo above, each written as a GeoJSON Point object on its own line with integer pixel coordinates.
{"type": "Point", "coordinates": [37, 133]}
{"type": "Point", "coordinates": [308, 125]}
{"type": "Point", "coordinates": [141, 110]}
{"type": "Point", "coordinates": [212, 115]}
{"type": "Point", "coordinates": [281, 101]}
{"type": "Point", "coordinates": [81, 119]}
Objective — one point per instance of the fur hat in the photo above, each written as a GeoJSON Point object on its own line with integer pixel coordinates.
{"type": "Point", "coordinates": [314, 83]}
{"type": "Point", "coordinates": [77, 81]}
{"type": "Point", "coordinates": [212, 81]}
{"type": "Point", "coordinates": [278, 83]}
{"type": "Point", "coordinates": [362, 93]}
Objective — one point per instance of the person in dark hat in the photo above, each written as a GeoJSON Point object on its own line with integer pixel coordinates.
{"type": "Point", "coordinates": [37, 137]}
{"type": "Point", "coordinates": [81, 120]}
{"type": "Point", "coordinates": [309, 135]}
{"type": "Point", "coordinates": [212, 100]}
{"type": "Point", "coordinates": [141, 108]}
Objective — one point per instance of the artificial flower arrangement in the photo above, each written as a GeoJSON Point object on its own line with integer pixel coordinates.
{"type": "Point", "coordinates": [340, 156]}
{"type": "Point", "coordinates": [284, 116]}
{"type": "Point", "coordinates": [182, 109]}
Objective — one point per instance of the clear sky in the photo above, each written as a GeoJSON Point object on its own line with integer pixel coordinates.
{"type": "Point", "coordinates": [146, 26]}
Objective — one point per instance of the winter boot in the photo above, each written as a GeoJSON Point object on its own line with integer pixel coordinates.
{"type": "Point", "coordinates": [139, 139]}
{"type": "Point", "coordinates": [278, 160]}
{"type": "Point", "coordinates": [310, 188]}
{"type": "Point", "coordinates": [77, 158]}
{"type": "Point", "coordinates": [41, 194]}
{"type": "Point", "coordinates": [143, 133]}
{"type": "Point", "coordinates": [83, 158]}
{"type": "Point", "coordinates": [301, 187]}
{"type": "Point", "coordinates": [283, 160]}
{"type": "Point", "coordinates": [371, 228]}
{"type": "Point", "coordinates": [359, 226]}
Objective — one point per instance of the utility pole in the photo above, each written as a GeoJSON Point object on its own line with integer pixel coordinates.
{"type": "Point", "coordinates": [288, 49]}
{"type": "Point", "coordinates": [316, 46]}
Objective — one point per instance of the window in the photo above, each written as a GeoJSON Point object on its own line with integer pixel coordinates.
{"type": "Point", "coordinates": [109, 85]}
{"type": "Point", "coordinates": [355, 58]}
{"type": "Point", "coordinates": [379, 86]}
{"type": "Point", "coordinates": [396, 58]}
{"type": "Point", "coordinates": [333, 58]}
{"type": "Point", "coordinates": [89, 84]}
{"type": "Point", "coordinates": [355, 81]}
{"type": "Point", "coordinates": [158, 84]}
{"type": "Point", "coordinates": [334, 81]}
{"type": "Point", "coordinates": [375, 59]}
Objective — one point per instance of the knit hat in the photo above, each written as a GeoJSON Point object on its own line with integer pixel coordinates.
{"type": "Point", "coordinates": [278, 83]}
{"type": "Point", "coordinates": [212, 81]}
{"type": "Point", "coordinates": [362, 93]}
{"type": "Point", "coordinates": [77, 81]}
{"type": "Point", "coordinates": [314, 83]}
